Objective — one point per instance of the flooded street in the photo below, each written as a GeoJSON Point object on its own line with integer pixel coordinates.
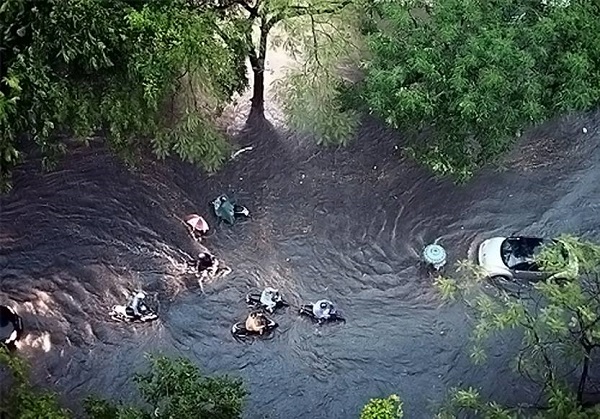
{"type": "Point", "coordinates": [344, 224]}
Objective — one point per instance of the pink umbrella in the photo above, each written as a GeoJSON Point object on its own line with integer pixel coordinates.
{"type": "Point", "coordinates": [196, 222]}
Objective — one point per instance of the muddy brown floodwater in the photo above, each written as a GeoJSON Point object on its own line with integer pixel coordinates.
{"type": "Point", "coordinates": [346, 224]}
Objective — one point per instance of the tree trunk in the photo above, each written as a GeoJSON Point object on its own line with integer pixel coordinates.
{"type": "Point", "coordinates": [258, 68]}
{"type": "Point", "coordinates": [584, 374]}
{"type": "Point", "coordinates": [258, 90]}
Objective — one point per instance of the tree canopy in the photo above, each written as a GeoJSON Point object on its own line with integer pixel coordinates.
{"type": "Point", "coordinates": [156, 74]}
{"type": "Point", "coordinates": [559, 320]}
{"type": "Point", "coordinates": [22, 401]}
{"type": "Point", "coordinates": [326, 42]}
{"type": "Point", "coordinates": [472, 74]}
{"type": "Point", "coordinates": [172, 387]}
{"type": "Point", "coordinates": [145, 73]}
{"type": "Point", "coordinates": [175, 388]}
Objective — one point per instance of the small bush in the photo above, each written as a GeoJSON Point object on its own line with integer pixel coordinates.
{"type": "Point", "coordinates": [388, 408]}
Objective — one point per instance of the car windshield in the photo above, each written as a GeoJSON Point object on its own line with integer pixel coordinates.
{"type": "Point", "coordinates": [520, 250]}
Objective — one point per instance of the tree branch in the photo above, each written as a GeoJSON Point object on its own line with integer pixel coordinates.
{"type": "Point", "coordinates": [253, 10]}
{"type": "Point", "coordinates": [296, 11]}
{"type": "Point", "coordinates": [251, 51]}
{"type": "Point", "coordinates": [193, 93]}
{"type": "Point", "coordinates": [549, 370]}
{"type": "Point", "coordinates": [584, 373]}
{"type": "Point", "coordinates": [315, 43]}
{"type": "Point", "coordinates": [413, 19]}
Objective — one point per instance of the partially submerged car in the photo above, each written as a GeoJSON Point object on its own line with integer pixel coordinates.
{"type": "Point", "coordinates": [511, 258]}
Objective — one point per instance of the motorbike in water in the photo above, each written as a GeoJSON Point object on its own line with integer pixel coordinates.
{"type": "Point", "coordinates": [126, 313]}
{"type": "Point", "coordinates": [256, 324]}
{"type": "Point", "coordinates": [268, 300]}
{"type": "Point", "coordinates": [229, 211]}
{"type": "Point", "coordinates": [321, 312]}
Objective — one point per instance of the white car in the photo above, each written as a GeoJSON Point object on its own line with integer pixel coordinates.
{"type": "Point", "coordinates": [511, 258]}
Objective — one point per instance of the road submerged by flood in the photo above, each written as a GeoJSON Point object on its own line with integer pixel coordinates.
{"type": "Point", "coordinates": [346, 224]}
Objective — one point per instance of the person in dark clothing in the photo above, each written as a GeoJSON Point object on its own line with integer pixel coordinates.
{"type": "Point", "coordinates": [207, 263]}
{"type": "Point", "coordinates": [208, 267]}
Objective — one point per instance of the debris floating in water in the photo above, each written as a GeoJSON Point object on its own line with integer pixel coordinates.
{"type": "Point", "coordinates": [240, 151]}
{"type": "Point", "coordinates": [584, 130]}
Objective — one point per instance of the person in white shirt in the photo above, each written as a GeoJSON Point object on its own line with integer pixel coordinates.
{"type": "Point", "coordinates": [323, 310]}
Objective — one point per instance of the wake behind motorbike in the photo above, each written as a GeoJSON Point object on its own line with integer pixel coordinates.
{"type": "Point", "coordinates": [307, 310]}
{"type": "Point", "coordinates": [126, 314]}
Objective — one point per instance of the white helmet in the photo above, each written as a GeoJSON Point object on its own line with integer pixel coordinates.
{"type": "Point", "coordinates": [140, 295]}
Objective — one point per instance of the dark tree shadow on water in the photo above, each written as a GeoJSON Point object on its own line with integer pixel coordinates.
{"type": "Point", "coordinates": [270, 147]}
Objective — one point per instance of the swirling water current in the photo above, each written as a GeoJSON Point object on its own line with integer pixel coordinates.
{"type": "Point", "coordinates": [347, 224]}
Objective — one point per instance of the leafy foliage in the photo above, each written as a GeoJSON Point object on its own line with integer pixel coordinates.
{"type": "Point", "coordinates": [474, 73]}
{"type": "Point", "coordinates": [22, 400]}
{"type": "Point", "coordinates": [387, 408]}
{"type": "Point", "coordinates": [562, 404]}
{"type": "Point", "coordinates": [326, 44]}
{"type": "Point", "coordinates": [172, 387]}
{"type": "Point", "coordinates": [322, 35]}
{"type": "Point", "coordinates": [156, 70]}
{"type": "Point", "coordinates": [175, 388]}
{"type": "Point", "coordinates": [469, 400]}
{"type": "Point", "coordinates": [558, 319]}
